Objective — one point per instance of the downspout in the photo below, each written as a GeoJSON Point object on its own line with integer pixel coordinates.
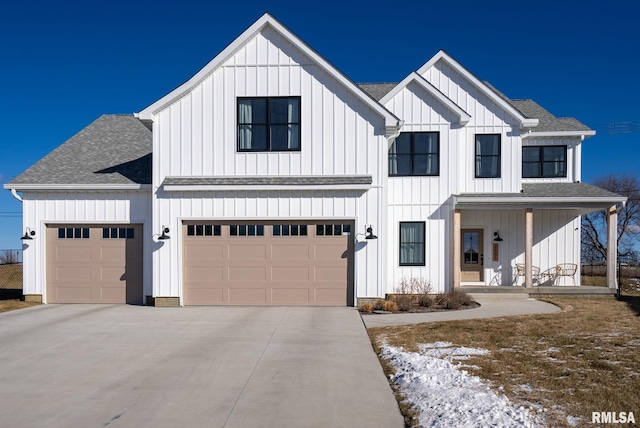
{"type": "Point", "coordinates": [14, 192]}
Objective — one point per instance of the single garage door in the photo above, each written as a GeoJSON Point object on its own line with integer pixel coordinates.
{"type": "Point", "coordinates": [94, 264]}
{"type": "Point", "coordinates": [292, 263]}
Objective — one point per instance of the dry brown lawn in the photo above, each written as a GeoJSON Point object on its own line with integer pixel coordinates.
{"type": "Point", "coordinates": [583, 359]}
{"type": "Point", "coordinates": [10, 305]}
{"type": "Point", "coordinates": [11, 277]}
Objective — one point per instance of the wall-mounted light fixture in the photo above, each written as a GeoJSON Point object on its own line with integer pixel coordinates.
{"type": "Point", "coordinates": [497, 236]}
{"type": "Point", "coordinates": [28, 235]}
{"type": "Point", "coordinates": [369, 234]}
{"type": "Point", "coordinates": [164, 235]}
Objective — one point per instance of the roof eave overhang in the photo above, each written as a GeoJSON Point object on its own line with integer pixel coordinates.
{"type": "Point", "coordinates": [511, 202]}
{"type": "Point", "coordinates": [580, 134]}
{"type": "Point", "coordinates": [72, 187]}
{"type": "Point", "coordinates": [391, 121]}
{"type": "Point", "coordinates": [262, 187]}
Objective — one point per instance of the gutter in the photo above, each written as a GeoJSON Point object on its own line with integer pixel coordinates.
{"type": "Point", "coordinates": [14, 192]}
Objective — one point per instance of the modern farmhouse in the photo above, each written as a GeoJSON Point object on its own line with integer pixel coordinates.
{"type": "Point", "coordinates": [270, 178]}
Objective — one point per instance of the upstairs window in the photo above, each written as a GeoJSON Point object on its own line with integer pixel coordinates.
{"type": "Point", "coordinates": [268, 124]}
{"type": "Point", "coordinates": [415, 153]}
{"type": "Point", "coordinates": [488, 155]}
{"type": "Point", "coordinates": [544, 161]}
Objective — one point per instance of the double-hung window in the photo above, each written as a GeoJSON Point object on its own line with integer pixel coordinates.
{"type": "Point", "coordinates": [544, 161]}
{"type": "Point", "coordinates": [268, 124]}
{"type": "Point", "coordinates": [415, 153]}
{"type": "Point", "coordinates": [412, 240]}
{"type": "Point", "coordinates": [487, 155]}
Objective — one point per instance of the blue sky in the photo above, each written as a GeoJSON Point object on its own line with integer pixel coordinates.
{"type": "Point", "coordinates": [65, 63]}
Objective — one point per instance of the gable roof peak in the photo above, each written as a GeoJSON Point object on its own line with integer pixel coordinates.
{"type": "Point", "coordinates": [267, 20]}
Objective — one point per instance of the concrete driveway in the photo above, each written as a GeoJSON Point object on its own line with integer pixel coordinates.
{"type": "Point", "coordinates": [135, 366]}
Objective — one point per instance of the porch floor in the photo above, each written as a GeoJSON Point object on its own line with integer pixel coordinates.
{"type": "Point", "coordinates": [581, 290]}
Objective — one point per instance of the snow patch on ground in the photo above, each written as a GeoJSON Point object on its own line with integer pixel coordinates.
{"type": "Point", "coordinates": [444, 395]}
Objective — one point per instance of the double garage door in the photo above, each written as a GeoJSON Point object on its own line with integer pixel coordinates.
{"type": "Point", "coordinates": [94, 264]}
{"type": "Point", "coordinates": [257, 263]}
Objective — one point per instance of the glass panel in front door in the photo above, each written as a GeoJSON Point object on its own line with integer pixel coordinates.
{"type": "Point", "coordinates": [471, 248]}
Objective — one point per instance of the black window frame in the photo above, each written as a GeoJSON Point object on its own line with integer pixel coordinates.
{"type": "Point", "coordinates": [479, 157]}
{"type": "Point", "coordinates": [413, 154]}
{"type": "Point", "coordinates": [268, 124]}
{"type": "Point", "coordinates": [424, 244]}
{"type": "Point", "coordinates": [541, 162]}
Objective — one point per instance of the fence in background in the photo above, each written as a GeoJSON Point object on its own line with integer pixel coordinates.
{"type": "Point", "coordinates": [8, 257]}
{"type": "Point", "coordinates": [10, 274]}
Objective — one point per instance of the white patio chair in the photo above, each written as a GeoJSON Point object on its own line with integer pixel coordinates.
{"type": "Point", "coordinates": [566, 269]}
{"type": "Point", "coordinates": [535, 270]}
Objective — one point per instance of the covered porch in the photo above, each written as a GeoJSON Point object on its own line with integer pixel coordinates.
{"type": "Point", "coordinates": [529, 239]}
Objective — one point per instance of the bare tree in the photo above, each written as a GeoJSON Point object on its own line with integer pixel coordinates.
{"type": "Point", "coordinates": [594, 225]}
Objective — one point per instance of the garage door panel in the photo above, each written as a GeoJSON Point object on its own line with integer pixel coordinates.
{"type": "Point", "coordinates": [113, 295]}
{"type": "Point", "coordinates": [247, 273]}
{"type": "Point", "coordinates": [203, 252]}
{"type": "Point", "coordinates": [112, 274]}
{"type": "Point", "coordinates": [72, 273]}
{"type": "Point", "coordinates": [72, 253]}
{"type": "Point", "coordinates": [287, 266]}
{"type": "Point", "coordinates": [329, 273]}
{"type": "Point", "coordinates": [289, 296]}
{"type": "Point", "coordinates": [247, 296]}
{"type": "Point", "coordinates": [204, 274]}
{"type": "Point", "coordinates": [290, 273]}
{"type": "Point", "coordinates": [86, 264]}
{"type": "Point", "coordinates": [247, 252]}
{"type": "Point", "coordinates": [329, 296]}
{"type": "Point", "coordinates": [112, 253]}
{"type": "Point", "coordinates": [283, 251]}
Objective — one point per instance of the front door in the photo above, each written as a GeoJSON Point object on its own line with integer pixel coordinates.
{"type": "Point", "coordinates": [472, 258]}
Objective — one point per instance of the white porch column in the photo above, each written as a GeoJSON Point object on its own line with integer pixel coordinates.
{"type": "Point", "coordinates": [456, 248]}
{"type": "Point", "coordinates": [612, 246]}
{"type": "Point", "coordinates": [528, 248]}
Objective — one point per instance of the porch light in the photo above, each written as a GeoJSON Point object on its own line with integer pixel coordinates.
{"type": "Point", "coordinates": [28, 235]}
{"type": "Point", "coordinates": [369, 234]}
{"type": "Point", "coordinates": [497, 236]}
{"type": "Point", "coordinates": [164, 235]}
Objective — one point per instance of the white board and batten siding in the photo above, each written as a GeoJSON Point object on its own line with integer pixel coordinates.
{"type": "Point", "coordinates": [423, 198]}
{"type": "Point", "coordinates": [80, 207]}
{"type": "Point", "coordinates": [487, 117]}
{"type": "Point", "coordinates": [340, 135]}
{"type": "Point", "coordinates": [197, 134]}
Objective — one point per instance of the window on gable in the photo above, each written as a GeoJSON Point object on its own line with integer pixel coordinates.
{"type": "Point", "coordinates": [415, 153]}
{"type": "Point", "coordinates": [487, 155]}
{"type": "Point", "coordinates": [544, 161]}
{"type": "Point", "coordinates": [412, 238]}
{"type": "Point", "coordinates": [268, 124]}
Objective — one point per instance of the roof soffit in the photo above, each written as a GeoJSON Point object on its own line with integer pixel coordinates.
{"type": "Point", "coordinates": [266, 20]}
{"type": "Point", "coordinates": [478, 84]}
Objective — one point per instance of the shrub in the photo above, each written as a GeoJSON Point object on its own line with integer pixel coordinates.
{"type": "Point", "coordinates": [454, 299]}
{"type": "Point", "coordinates": [366, 307]}
{"type": "Point", "coordinates": [425, 300]}
{"type": "Point", "coordinates": [390, 306]}
{"type": "Point", "coordinates": [378, 305]}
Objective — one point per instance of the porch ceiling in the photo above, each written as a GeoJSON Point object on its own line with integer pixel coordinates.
{"type": "Point", "coordinates": [581, 197]}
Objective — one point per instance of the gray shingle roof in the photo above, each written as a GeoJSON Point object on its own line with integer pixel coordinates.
{"type": "Point", "coordinates": [377, 90]}
{"type": "Point", "coordinates": [553, 190]}
{"type": "Point", "coordinates": [114, 149]}
{"type": "Point", "coordinates": [547, 121]}
{"type": "Point", "coordinates": [299, 180]}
